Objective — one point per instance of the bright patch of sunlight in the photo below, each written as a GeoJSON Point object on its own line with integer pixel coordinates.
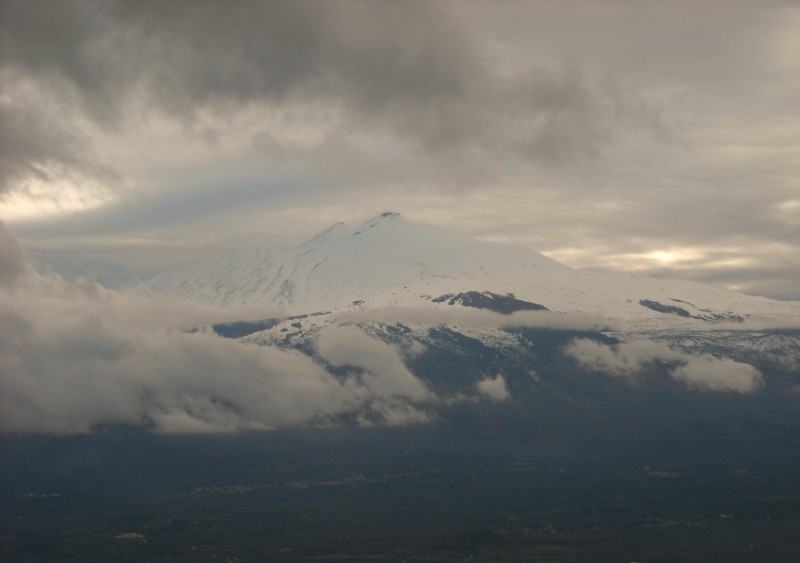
{"type": "Point", "coordinates": [40, 199]}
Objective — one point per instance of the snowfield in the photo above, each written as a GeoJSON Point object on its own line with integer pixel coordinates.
{"type": "Point", "coordinates": [391, 262]}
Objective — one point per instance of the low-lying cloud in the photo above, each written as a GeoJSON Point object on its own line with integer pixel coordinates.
{"type": "Point", "coordinates": [698, 371]}
{"type": "Point", "coordinates": [494, 388]}
{"type": "Point", "coordinates": [385, 373]}
{"type": "Point", "coordinates": [74, 356]}
{"type": "Point", "coordinates": [718, 374]}
{"type": "Point", "coordinates": [381, 377]}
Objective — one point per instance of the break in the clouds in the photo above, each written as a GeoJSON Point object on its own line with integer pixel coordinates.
{"type": "Point", "coordinates": [697, 371]}
{"type": "Point", "coordinates": [661, 137]}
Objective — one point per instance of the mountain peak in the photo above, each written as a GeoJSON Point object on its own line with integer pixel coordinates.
{"type": "Point", "coordinates": [340, 229]}
{"type": "Point", "coordinates": [328, 233]}
{"type": "Point", "coordinates": [385, 216]}
{"type": "Point", "coordinates": [390, 260]}
{"type": "Point", "coordinates": [342, 264]}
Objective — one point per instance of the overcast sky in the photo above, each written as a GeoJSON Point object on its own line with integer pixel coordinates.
{"type": "Point", "coordinates": [661, 137]}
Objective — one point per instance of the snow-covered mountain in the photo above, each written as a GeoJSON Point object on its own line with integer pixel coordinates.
{"type": "Point", "coordinates": [391, 302]}
{"type": "Point", "coordinates": [387, 254]}
{"type": "Point", "coordinates": [389, 261]}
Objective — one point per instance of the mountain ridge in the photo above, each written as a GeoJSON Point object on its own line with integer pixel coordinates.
{"type": "Point", "coordinates": [390, 261]}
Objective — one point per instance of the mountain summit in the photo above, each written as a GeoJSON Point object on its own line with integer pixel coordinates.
{"type": "Point", "coordinates": [345, 263]}
{"type": "Point", "coordinates": [391, 261]}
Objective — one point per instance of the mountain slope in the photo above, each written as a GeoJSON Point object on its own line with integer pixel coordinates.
{"type": "Point", "coordinates": [391, 261]}
{"type": "Point", "coordinates": [343, 264]}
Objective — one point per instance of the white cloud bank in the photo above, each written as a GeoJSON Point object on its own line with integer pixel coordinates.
{"type": "Point", "coordinates": [383, 380]}
{"type": "Point", "coordinates": [718, 374]}
{"type": "Point", "coordinates": [386, 375]}
{"type": "Point", "coordinates": [698, 371]}
{"type": "Point", "coordinates": [494, 388]}
{"type": "Point", "coordinates": [74, 355]}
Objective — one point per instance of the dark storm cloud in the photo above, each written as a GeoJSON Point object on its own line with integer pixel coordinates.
{"type": "Point", "coordinates": [415, 70]}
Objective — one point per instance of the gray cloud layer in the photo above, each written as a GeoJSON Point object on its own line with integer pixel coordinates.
{"type": "Point", "coordinates": [414, 72]}
{"type": "Point", "coordinates": [600, 132]}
